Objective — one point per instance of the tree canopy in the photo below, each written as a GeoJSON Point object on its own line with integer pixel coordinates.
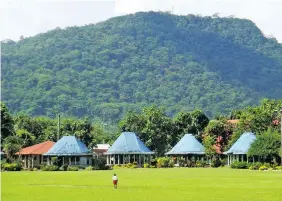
{"type": "Point", "coordinates": [266, 146]}
{"type": "Point", "coordinates": [126, 63]}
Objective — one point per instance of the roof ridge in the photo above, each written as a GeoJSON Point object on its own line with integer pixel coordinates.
{"type": "Point", "coordinates": [137, 141]}
{"type": "Point", "coordinates": [125, 139]}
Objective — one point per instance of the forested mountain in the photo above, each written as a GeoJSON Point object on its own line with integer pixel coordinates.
{"type": "Point", "coordinates": [179, 62]}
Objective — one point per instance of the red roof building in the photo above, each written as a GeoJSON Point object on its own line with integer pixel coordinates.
{"type": "Point", "coordinates": [37, 149]}
{"type": "Point", "coordinates": [33, 156]}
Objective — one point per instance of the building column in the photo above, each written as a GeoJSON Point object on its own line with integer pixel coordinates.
{"type": "Point", "coordinates": [139, 159]}
{"type": "Point", "coordinates": [123, 158]}
{"type": "Point", "coordinates": [69, 160]}
{"type": "Point", "coordinates": [247, 159]}
{"type": "Point", "coordinates": [63, 160]}
{"type": "Point", "coordinates": [118, 159]}
{"type": "Point", "coordinates": [32, 158]}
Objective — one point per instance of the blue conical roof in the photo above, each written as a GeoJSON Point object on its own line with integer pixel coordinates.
{"type": "Point", "coordinates": [187, 145]}
{"type": "Point", "coordinates": [242, 145]}
{"type": "Point", "coordinates": [68, 146]}
{"type": "Point", "coordinates": [128, 143]}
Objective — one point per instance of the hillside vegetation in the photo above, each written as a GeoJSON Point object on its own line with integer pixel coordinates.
{"type": "Point", "coordinates": [128, 62]}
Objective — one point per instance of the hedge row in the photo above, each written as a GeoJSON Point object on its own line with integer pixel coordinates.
{"type": "Point", "coordinates": [255, 166]}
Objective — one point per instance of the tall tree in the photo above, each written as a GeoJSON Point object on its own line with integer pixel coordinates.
{"type": "Point", "coordinates": [12, 144]}
{"type": "Point", "coordinates": [153, 127]}
{"type": "Point", "coordinates": [7, 123]}
{"type": "Point", "coordinates": [266, 146]}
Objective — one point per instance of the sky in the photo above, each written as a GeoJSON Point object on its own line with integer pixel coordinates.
{"type": "Point", "coordinates": [30, 17]}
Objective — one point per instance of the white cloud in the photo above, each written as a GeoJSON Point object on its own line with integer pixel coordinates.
{"type": "Point", "coordinates": [31, 17]}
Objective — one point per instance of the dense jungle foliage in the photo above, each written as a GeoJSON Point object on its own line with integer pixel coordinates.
{"type": "Point", "coordinates": [126, 63]}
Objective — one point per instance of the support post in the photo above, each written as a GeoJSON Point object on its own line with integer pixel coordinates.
{"type": "Point", "coordinates": [32, 158]}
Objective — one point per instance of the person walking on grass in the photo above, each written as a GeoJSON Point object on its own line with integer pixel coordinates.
{"type": "Point", "coordinates": [115, 181]}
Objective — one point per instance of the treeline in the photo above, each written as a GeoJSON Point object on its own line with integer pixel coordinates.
{"type": "Point", "coordinates": [155, 128]}
{"type": "Point", "coordinates": [130, 62]}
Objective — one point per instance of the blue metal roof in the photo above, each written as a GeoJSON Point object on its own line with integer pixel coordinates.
{"type": "Point", "coordinates": [68, 146]}
{"type": "Point", "coordinates": [242, 145]}
{"type": "Point", "coordinates": [128, 143]}
{"type": "Point", "coordinates": [187, 145]}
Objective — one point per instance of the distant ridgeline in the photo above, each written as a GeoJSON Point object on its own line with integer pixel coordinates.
{"type": "Point", "coordinates": [128, 62]}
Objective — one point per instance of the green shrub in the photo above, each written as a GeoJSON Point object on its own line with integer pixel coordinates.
{"type": "Point", "coordinates": [12, 167]}
{"type": "Point", "coordinates": [181, 162]}
{"type": "Point", "coordinates": [154, 162]}
{"type": "Point", "coordinates": [223, 162]}
{"type": "Point", "coordinates": [255, 166]}
{"type": "Point", "coordinates": [164, 162]}
{"type": "Point", "coordinates": [128, 165]}
{"type": "Point", "coordinates": [146, 165]}
{"type": "Point", "coordinates": [63, 168]}
{"type": "Point", "coordinates": [201, 164]}
{"type": "Point", "coordinates": [267, 165]}
{"type": "Point", "coordinates": [50, 168]}
{"type": "Point", "coordinates": [190, 164]}
{"type": "Point", "coordinates": [171, 164]}
{"type": "Point", "coordinates": [54, 160]}
{"type": "Point", "coordinates": [274, 165]}
{"type": "Point", "coordinates": [100, 164]}
{"type": "Point", "coordinates": [2, 163]}
{"type": "Point", "coordinates": [73, 168]}
{"type": "Point", "coordinates": [134, 163]}
{"type": "Point", "coordinates": [134, 166]}
{"type": "Point", "coordinates": [116, 166]}
{"type": "Point", "coordinates": [42, 165]}
{"type": "Point", "coordinates": [153, 166]}
{"type": "Point", "coordinates": [215, 163]}
{"type": "Point", "coordinates": [240, 165]}
{"type": "Point", "coordinates": [278, 167]}
{"type": "Point", "coordinates": [89, 168]}
{"type": "Point", "coordinates": [263, 167]}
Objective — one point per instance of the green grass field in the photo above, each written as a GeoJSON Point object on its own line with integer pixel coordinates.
{"type": "Point", "coordinates": [144, 184]}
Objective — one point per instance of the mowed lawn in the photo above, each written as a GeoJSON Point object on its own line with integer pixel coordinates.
{"type": "Point", "coordinates": [144, 184]}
